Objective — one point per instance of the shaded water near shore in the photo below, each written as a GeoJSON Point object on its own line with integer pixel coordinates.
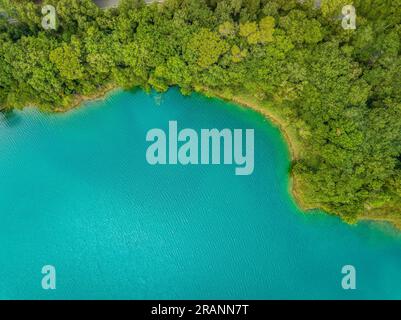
{"type": "Point", "coordinates": [76, 192]}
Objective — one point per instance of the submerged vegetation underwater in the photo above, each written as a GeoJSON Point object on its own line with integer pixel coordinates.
{"type": "Point", "coordinates": [337, 91]}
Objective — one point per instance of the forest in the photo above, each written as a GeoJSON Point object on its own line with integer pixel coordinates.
{"type": "Point", "coordinates": [338, 90]}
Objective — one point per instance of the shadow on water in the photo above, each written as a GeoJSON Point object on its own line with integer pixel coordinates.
{"type": "Point", "coordinates": [9, 119]}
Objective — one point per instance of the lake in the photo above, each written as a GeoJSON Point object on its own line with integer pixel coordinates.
{"type": "Point", "coordinates": [76, 192]}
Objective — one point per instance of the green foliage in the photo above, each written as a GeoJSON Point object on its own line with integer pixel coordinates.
{"type": "Point", "coordinates": [332, 8]}
{"type": "Point", "coordinates": [205, 48]}
{"type": "Point", "coordinates": [258, 33]}
{"type": "Point", "coordinates": [71, 53]}
{"type": "Point", "coordinates": [227, 29]}
{"type": "Point", "coordinates": [300, 28]}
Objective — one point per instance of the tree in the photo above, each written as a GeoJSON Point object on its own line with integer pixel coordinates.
{"type": "Point", "coordinates": [206, 47]}
{"type": "Point", "coordinates": [67, 59]}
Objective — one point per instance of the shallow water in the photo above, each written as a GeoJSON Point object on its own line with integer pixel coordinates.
{"type": "Point", "coordinates": [76, 192]}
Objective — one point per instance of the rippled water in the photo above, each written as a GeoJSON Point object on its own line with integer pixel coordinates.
{"type": "Point", "coordinates": [76, 192]}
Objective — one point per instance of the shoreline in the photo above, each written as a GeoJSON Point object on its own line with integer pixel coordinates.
{"type": "Point", "coordinates": [80, 99]}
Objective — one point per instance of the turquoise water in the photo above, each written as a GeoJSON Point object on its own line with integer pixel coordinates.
{"type": "Point", "coordinates": [76, 192]}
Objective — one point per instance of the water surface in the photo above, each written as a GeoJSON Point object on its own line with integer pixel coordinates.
{"type": "Point", "coordinates": [76, 192]}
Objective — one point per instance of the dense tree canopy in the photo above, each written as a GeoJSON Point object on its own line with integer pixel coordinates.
{"type": "Point", "coordinates": [339, 90]}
